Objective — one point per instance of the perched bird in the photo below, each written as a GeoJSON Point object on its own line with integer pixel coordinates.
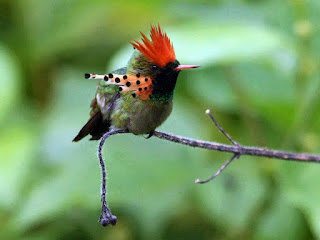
{"type": "Point", "coordinates": [137, 97]}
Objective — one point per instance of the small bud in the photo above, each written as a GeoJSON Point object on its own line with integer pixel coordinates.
{"type": "Point", "coordinates": [207, 111]}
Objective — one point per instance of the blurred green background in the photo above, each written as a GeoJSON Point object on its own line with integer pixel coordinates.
{"type": "Point", "coordinates": [259, 76]}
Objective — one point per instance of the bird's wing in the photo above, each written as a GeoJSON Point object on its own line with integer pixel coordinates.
{"type": "Point", "coordinates": [97, 125]}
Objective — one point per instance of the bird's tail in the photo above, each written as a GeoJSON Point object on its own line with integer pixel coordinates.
{"type": "Point", "coordinates": [95, 126]}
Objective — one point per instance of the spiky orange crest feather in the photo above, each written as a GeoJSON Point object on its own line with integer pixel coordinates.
{"type": "Point", "coordinates": [160, 51]}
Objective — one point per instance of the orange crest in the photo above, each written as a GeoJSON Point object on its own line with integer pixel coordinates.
{"type": "Point", "coordinates": [160, 50]}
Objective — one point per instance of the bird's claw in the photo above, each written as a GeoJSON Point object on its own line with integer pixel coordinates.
{"type": "Point", "coordinates": [150, 134]}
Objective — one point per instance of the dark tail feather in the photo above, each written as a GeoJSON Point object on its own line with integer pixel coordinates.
{"type": "Point", "coordinates": [95, 126]}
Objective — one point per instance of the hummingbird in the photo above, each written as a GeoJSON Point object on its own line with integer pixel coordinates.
{"type": "Point", "coordinates": [137, 97]}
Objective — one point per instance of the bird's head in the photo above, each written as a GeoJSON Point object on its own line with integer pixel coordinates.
{"type": "Point", "coordinates": [156, 58]}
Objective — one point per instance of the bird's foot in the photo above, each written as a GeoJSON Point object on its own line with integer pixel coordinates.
{"type": "Point", "coordinates": [106, 218]}
{"type": "Point", "coordinates": [150, 135]}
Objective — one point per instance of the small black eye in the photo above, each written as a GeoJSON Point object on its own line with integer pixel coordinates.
{"type": "Point", "coordinates": [155, 67]}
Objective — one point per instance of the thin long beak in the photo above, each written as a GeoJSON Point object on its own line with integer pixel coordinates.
{"type": "Point", "coordinates": [180, 67]}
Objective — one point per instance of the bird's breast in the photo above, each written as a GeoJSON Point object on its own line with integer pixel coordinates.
{"type": "Point", "coordinates": [139, 116]}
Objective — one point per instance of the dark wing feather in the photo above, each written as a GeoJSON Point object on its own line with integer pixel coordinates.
{"type": "Point", "coordinates": [91, 127]}
{"type": "Point", "coordinates": [96, 125]}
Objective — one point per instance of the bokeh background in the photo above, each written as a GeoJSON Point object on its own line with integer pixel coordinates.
{"type": "Point", "coordinates": [259, 76]}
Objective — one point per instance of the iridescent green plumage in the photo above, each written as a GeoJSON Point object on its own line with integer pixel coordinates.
{"type": "Point", "coordinates": [120, 102]}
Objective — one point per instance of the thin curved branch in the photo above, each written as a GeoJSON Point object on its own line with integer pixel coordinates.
{"type": "Point", "coordinates": [236, 155]}
{"type": "Point", "coordinates": [221, 128]}
{"type": "Point", "coordinates": [106, 218]}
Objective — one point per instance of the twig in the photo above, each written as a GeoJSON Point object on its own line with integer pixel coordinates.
{"type": "Point", "coordinates": [220, 128]}
{"type": "Point", "coordinates": [236, 155]}
{"type": "Point", "coordinates": [106, 218]}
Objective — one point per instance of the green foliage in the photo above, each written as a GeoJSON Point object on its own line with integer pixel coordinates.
{"type": "Point", "coordinates": [259, 76]}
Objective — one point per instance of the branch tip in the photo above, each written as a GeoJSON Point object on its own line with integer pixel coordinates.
{"type": "Point", "coordinates": [208, 111]}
